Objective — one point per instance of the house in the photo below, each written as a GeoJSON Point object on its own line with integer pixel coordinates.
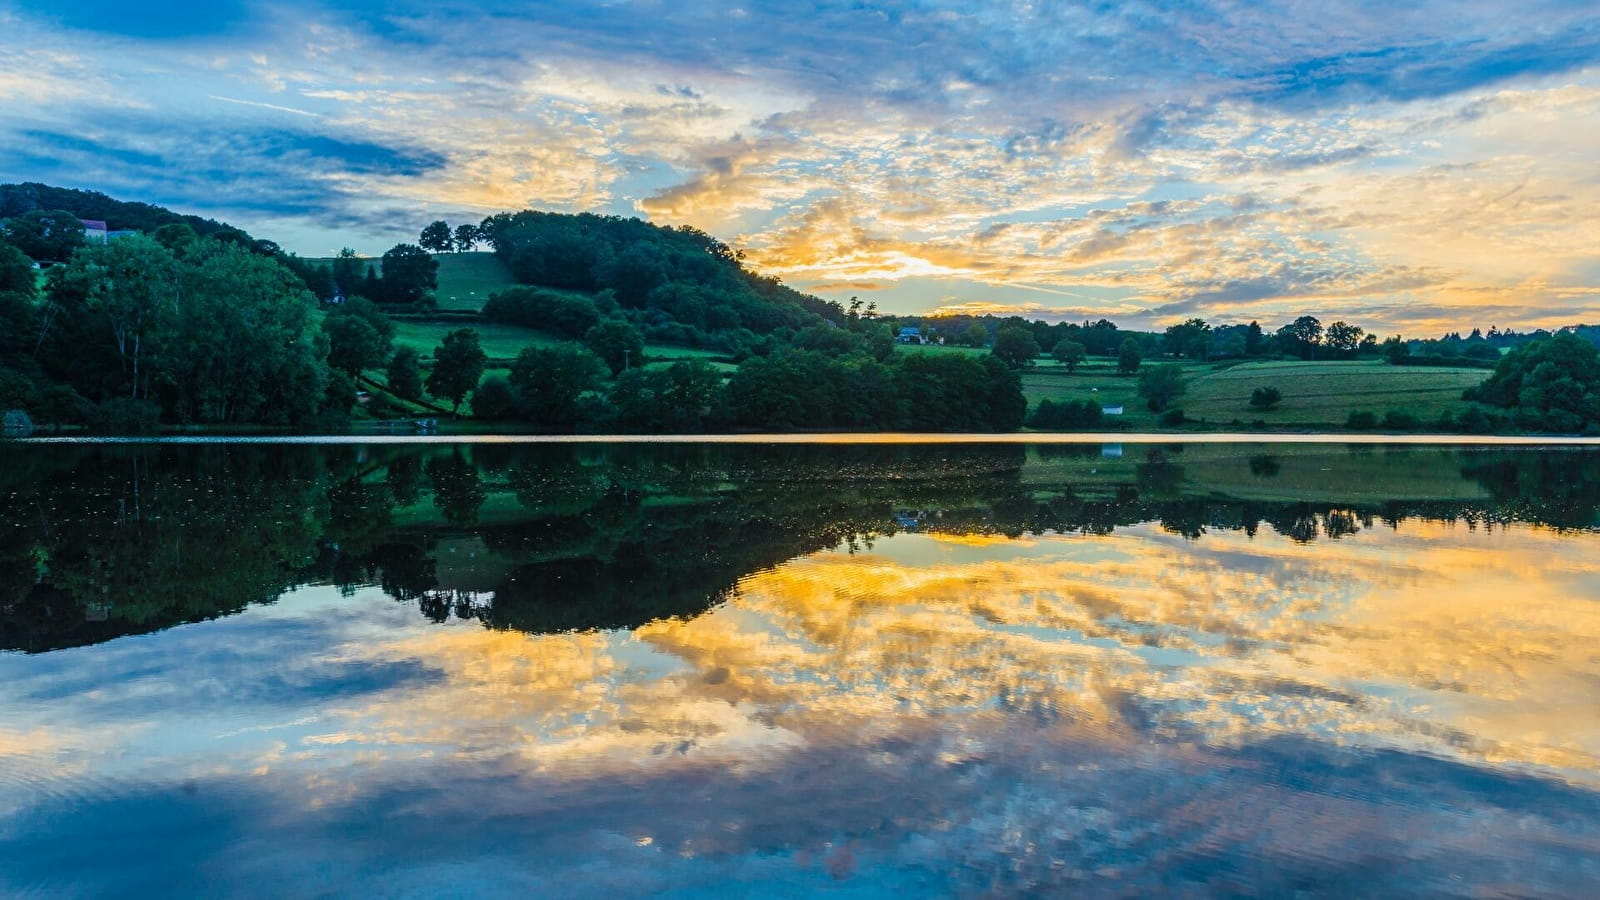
{"type": "Point", "coordinates": [1110, 410]}
{"type": "Point", "coordinates": [94, 231]}
{"type": "Point", "coordinates": [910, 336]}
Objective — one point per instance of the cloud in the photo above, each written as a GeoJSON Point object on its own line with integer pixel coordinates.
{"type": "Point", "coordinates": [1198, 158]}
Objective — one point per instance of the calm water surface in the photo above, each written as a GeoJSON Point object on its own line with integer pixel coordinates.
{"type": "Point", "coordinates": [684, 670]}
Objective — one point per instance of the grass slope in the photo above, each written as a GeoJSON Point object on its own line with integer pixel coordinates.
{"type": "Point", "coordinates": [1315, 394]}
{"type": "Point", "coordinates": [467, 279]}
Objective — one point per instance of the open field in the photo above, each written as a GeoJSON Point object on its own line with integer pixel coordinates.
{"type": "Point", "coordinates": [1315, 394]}
{"type": "Point", "coordinates": [500, 342]}
{"type": "Point", "coordinates": [467, 279]}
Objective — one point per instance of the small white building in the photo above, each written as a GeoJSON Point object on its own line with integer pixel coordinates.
{"type": "Point", "coordinates": [1110, 410]}
{"type": "Point", "coordinates": [94, 231]}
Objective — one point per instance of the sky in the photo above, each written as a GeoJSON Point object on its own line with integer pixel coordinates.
{"type": "Point", "coordinates": [1412, 167]}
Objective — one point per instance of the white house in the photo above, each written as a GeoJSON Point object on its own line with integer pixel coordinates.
{"type": "Point", "coordinates": [94, 231]}
{"type": "Point", "coordinates": [910, 336]}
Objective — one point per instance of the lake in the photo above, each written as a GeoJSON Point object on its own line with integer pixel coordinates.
{"type": "Point", "coordinates": [759, 669]}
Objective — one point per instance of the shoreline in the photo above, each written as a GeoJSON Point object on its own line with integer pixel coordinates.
{"type": "Point", "coordinates": [1408, 438]}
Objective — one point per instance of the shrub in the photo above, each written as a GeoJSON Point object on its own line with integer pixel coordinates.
{"type": "Point", "coordinates": [1399, 420]}
{"type": "Point", "coordinates": [1172, 417]}
{"type": "Point", "coordinates": [1362, 420]}
{"type": "Point", "coordinates": [1067, 414]}
{"type": "Point", "coordinates": [1265, 397]}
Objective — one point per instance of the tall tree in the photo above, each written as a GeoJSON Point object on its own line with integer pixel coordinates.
{"type": "Point", "coordinates": [457, 367]}
{"type": "Point", "coordinates": [409, 274]}
{"type": "Point", "coordinates": [617, 344]}
{"type": "Point", "coordinates": [1015, 346]}
{"type": "Point", "coordinates": [466, 237]}
{"type": "Point", "coordinates": [1069, 353]}
{"type": "Point", "coordinates": [405, 374]}
{"type": "Point", "coordinates": [436, 237]}
{"type": "Point", "coordinates": [549, 381]}
{"type": "Point", "coordinates": [1128, 358]}
{"type": "Point", "coordinates": [1160, 385]}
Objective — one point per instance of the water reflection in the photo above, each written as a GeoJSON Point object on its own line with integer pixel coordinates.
{"type": "Point", "coordinates": [756, 670]}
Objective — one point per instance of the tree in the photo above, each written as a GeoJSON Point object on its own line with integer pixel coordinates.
{"type": "Point", "coordinates": [1265, 397]}
{"type": "Point", "coordinates": [1191, 339]}
{"type": "Point", "coordinates": [46, 235]}
{"type": "Point", "coordinates": [179, 237]}
{"type": "Point", "coordinates": [1553, 383]}
{"type": "Point", "coordinates": [974, 335]}
{"type": "Point", "coordinates": [354, 345]}
{"type": "Point", "coordinates": [409, 274]}
{"type": "Point", "coordinates": [1014, 345]}
{"type": "Point", "coordinates": [1160, 385]}
{"type": "Point", "coordinates": [1301, 337]}
{"type": "Point", "coordinates": [1395, 349]}
{"type": "Point", "coordinates": [1069, 353]}
{"type": "Point", "coordinates": [1343, 339]}
{"type": "Point", "coordinates": [617, 344]}
{"type": "Point", "coordinates": [549, 381]}
{"type": "Point", "coordinates": [1128, 358]}
{"type": "Point", "coordinates": [494, 399]}
{"type": "Point", "coordinates": [457, 367]}
{"type": "Point", "coordinates": [347, 272]}
{"type": "Point", "coordinates": [436, 238]}
{"type": "Point", "coordinates": [1254, 340]}
{"type": "Point", "coordinates": [405, 375]}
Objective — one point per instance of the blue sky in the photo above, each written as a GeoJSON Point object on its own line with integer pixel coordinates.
{"type": "Point", "coordinates": [1404, 168]}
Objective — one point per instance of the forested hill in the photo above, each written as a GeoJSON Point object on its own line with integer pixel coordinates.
{"type": "Point", "coordinates": [684, 284]}
{"type": "Point", "coordinates": [20, 199]}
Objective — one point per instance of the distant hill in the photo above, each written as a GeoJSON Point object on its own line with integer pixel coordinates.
{"type": "Point", "coordinates": [676, 284]}
{"type": "Point", "coordinates": [16, 199]}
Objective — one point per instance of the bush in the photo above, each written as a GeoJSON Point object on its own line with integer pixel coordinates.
{"type": "Point", "coordinates": [494, 399]}
{"type": "Point", "coordinates": [1265, 397]}
{"type": "Point", "coordinates": [1171, 418]}
{"type": "Point", "coordinates": [125, 416]}
{"type": "Point", "coordinates": [1399, 420]}
{"type": "Point", "coordinates": [1362, 420]}
{"type": "Point", "coordinates": [1068, 414]}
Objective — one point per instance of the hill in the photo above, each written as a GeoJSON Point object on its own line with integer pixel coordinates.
{"type": "Point", "coordinates": [17, 199]}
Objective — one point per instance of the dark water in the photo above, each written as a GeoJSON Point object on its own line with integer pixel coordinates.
{"type": "Point", "coordinates": [787, 670]}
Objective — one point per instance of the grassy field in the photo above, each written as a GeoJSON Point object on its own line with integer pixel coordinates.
{"type": "Point", "coordinates": [1315, 394]}
{"type": "Point", "coordinates": [467, 279]}
{"type": "Point", "coordinates": [500, 342]}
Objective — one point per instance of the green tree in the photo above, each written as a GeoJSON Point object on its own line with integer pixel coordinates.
{"type": "Point", "coordinates": [347, 271]}
{"type": "Point", "coordinates": [494, 399]}
{"type": "Point", "coordinates": [405, 375]}
{"type": "Point", "coordinates": [47, 235]}
{"type": "Point", "coordinates": [549, 381]}
{"type": "Point", "coordinates": [1301, 337]}
{"type": "Point", "coordinates": [1161, 384]}
{"type": "Point", "coordinates": [409, 274]}
{"type": "Point", "coordinates": [1190, 339]}
{"type": "Point", "coordinates": [1553, 383]}
{"type": "Point", "coordinates": [1342, 339]}
{"type": "Point", "coordinates": [617, 344]}
{"type": "Point", "coordinates": [1128, 357]}
{"type": "Point", "coordinates": [436, 238]}
{"type": "Point", "coordinates": [179, 237]}
{"type": "Point", "coordinates": [466, 237]}
{"type": "Point", "coordinates": [354, 345]}
{"type": "Point", "coordinates": [1069, 353]}
{"type": "Point", "coordinates": [974, 335]}
{"type": "Point", "coordinates": [457, 367]}
{"type": "Point", "coordinates": [1014, 345]}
